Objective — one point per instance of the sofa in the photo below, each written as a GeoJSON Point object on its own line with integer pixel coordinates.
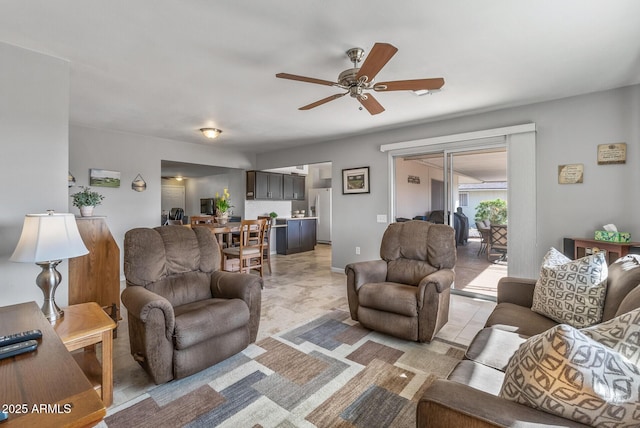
{"type": "Point", "coordinates": [469, 397]}
{"type": "Point", "coordinates": [184, 314]}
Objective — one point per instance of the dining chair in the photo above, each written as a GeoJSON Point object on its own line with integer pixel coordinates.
{"type": "Point", "coordinates": [250, 249]}
{"type": "Point", "coordinates": [266, 252]}
{"type": "Point", "coordinates": [498, 243]}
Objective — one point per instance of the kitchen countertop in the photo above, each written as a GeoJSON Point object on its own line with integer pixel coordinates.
{"type": "Point", "coordinates": [297, 218]}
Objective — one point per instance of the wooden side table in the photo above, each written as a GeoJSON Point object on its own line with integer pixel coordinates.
{"type": "Point", "coordinates": [83, 326]}
{"type": "Point", "coordinates": [617, 248]}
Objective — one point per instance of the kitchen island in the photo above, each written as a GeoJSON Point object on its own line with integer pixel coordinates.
{"type": "Point", "coordinates": [298, 236]}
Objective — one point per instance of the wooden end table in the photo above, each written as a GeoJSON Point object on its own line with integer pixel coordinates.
{"type": "Point", "coordinates": [83, 326]}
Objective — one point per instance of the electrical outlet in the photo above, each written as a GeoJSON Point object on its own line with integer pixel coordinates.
{"type": "Point", "coordinates": [382, 218]}
{"type": "Point", "coordinates": [357, 250]}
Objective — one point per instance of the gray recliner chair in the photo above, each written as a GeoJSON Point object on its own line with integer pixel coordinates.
{"type": "Point", "coordinates": [184, 313]}
{"type": "Point", "coordinates": [406, 294]}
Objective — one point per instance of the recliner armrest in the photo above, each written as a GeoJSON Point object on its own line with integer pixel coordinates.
{"type": "Point", "coordinates": [451, 404]}
{"type": "Point", "coordinates": [361, 273]}
{"type": "Point", "coordinates": [518, 291]}
{"type": "Point", "coordinates": [442, 279]}
{"type": "Point", "coordinates": [242, 286]}
{"type": "Point", "coordinates": [364, 272]}
{"type": "Point", "coordinates": [140, 302]}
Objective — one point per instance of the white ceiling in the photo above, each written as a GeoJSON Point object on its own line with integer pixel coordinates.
{"type": "Point", "coordinates": [167, 68]}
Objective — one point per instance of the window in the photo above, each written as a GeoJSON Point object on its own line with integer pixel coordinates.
{"type": "Point", "coordinates": [464, 199]}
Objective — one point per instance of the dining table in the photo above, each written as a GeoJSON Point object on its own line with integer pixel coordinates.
{"type": "Point", "coordinates": [221, 230]}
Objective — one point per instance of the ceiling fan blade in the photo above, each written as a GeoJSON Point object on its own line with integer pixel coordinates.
{"type": "Point", "coordinates": [322, 101]}
{"type": "Point", "coordinates": [410, 85]}
{"type": "Point", "coordinates": [305, 79]}
{"type": "Point", "coordinates": [380, 54]}
{"type": "Point", "coordinates": [371, 104]}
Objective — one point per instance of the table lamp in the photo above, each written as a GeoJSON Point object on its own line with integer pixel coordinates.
{"type": "Point", "coordinates": [46, 240]}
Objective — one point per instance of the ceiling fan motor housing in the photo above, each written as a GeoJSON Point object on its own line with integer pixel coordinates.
{"type": "Point", "coordinates": [347, 78]}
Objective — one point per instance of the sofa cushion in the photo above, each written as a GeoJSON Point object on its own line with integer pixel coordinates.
{"type": "Point", "coordinates": [518, 319]}
{"type": "Point", "coordinates": [565, 372]}
{"type": "Point", "coordinates": [477, 376]}
{"type": "Point", "coordinates": [493, 347]}
{"type": "Point", "coordinates": [572, 291]}
{"type": "Point", "coordinates": [624, 278]}
{"type": "Point", "coordinates": [202, 320]}
{"type": "Point", "coordinates": [399, 299]}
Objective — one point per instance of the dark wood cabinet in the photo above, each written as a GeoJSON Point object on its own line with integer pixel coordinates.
{"type": "Point", "coordinates": [293, 187]}
{"type": "Point", "coordinates": [264, 185]}
{"type": "Point", "coordinates": [297, 237]}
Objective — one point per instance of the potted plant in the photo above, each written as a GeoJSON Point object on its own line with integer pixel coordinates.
{"type": "Point", "coordinates": [223, 206]}
{"type": "Point", "coordinates": [273, 216]}
{"type": "Point", "coordinates": [86, 200]}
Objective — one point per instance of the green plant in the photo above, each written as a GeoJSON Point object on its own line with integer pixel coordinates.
{"type": "Point", "coordinates": [494, 210]}
{"type": "Point", "coordinates": [223, 203]}
{"type": "Point", "coordinates": [273, 214]}
{"type": "Point", "coordinates": [86, 198]}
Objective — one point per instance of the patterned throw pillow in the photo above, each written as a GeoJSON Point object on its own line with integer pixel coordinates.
{"type": "Point", "coordinates": [571, 291]}
{"type": "Point", "coordinates": [622, 334]}
{"type": "Point", "coordinates": [564, 372]}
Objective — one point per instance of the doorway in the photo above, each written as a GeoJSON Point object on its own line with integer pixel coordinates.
{"type": "Point", "coordinates": [458, 180]}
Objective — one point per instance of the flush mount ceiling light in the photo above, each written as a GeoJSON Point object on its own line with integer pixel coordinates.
{"type": "Point", "coordinates": [211, 132]}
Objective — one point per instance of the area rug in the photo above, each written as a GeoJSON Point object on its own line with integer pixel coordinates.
{"type": "Point", "coordinates": [330, 372]}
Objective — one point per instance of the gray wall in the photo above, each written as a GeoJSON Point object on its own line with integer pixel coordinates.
{"type": "Point", "coordinates": [34, 123]}
{"type": "Point", "coordinates": [568, 131]}
{"type": "Point", "coordinates": [132, 155]}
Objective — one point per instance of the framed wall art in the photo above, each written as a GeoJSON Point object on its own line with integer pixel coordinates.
{"type": "Point", "coordinates": [612, 153]}
{"type": "Point", "coordinates": [104, 178]}
{"type": "Point", "coordinates": [570, 174]}
{"type": "Point", "coordinates": [355, 180]}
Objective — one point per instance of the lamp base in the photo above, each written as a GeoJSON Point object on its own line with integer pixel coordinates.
{"type": "Point", "coordinates": [48, 280]}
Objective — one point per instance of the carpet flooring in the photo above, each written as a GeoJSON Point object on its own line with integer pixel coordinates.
{"type": "Point", "coordinates": [329, 372]}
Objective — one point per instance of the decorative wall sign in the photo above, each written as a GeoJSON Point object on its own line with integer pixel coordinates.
{"type": "Point", "coordinates": [612, 153]}
{"type": "Point", "coordinates": [138, 184]}
{"type": "Point", "coordinates": [413, 179]}
{"type": "Point", "coordinates": [355, 180]}
{"type": "Point", "coordinates": [104, 178]}
{"type": "Point", "coordinates": [571, 173]}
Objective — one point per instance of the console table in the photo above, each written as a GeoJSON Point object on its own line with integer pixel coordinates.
{"type": "Point", "coordinates": [45, 387]}
{"type": "Point", "coordinates": [619, 249]}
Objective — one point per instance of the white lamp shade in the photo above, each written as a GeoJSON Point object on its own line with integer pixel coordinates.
{"type": "Point", "coordinates": [48, 237]}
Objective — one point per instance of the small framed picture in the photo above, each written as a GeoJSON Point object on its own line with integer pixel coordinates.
{"type": "Point", "coordinates": [355, 180]}
{"type": "Point", "coordinates": [104, 178]}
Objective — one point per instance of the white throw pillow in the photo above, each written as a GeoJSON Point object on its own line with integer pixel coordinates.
{"type": "Point", "coordinates": [565, 372]}
{"type": "Point", "coordinates": [571, 291]}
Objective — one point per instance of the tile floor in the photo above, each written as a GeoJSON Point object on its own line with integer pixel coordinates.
{"type": "Point", "coordinates": [301, 287]}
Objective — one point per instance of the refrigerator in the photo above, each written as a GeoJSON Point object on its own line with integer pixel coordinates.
{"type": "Point", "coordinates": [320, 206]}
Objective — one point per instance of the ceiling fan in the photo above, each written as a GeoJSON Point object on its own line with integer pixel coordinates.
{"type": "Point", "coordinates": [357, 80]}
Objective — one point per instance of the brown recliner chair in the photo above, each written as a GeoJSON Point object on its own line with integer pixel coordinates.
{"type": "Point", "coordinates": [406, 294]}
{"type": "Point", "coordinates": [184, 313]}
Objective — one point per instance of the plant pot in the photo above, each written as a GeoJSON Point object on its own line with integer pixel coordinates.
{"type": "Point", "coordinates": [222, 219]}
{"type": "Point", "coordinates": [86, 211]}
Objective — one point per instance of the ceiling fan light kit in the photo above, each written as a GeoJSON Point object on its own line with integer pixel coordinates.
{"type": "Point", "coordinates": [355, 81]}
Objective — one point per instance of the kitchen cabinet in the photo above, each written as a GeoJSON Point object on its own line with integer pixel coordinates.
{"type": "Point", "coordinates": [293, 187]}
{"type": "Point", "coordinates": [297, 237]}
{"type": "Point", "coordinates": [264, 185]}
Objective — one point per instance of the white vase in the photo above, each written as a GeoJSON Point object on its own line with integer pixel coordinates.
{"type": "Point", "coordinates": [86, 211]}
{"type": "Point", "coordinates": [222, 218]}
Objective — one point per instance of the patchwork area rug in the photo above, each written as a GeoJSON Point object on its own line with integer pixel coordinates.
{"type": "Point", "coordinates": [329, 372]}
